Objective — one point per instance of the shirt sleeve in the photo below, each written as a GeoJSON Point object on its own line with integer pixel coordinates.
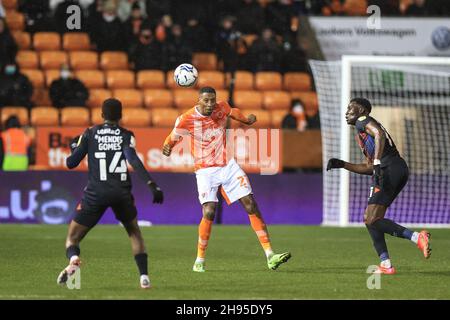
{"type": "Point", "coordinates": [177, 133]}
{"type": "Point", "coordinates": [80, 151]}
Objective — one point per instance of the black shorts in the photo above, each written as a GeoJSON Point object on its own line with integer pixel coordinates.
{"type": "Point", "coordinates": [394, 178]}
{"type": "Point", "coordinates": [91, 209]}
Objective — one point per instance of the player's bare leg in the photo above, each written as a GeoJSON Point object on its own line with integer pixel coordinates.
{"type": "Point", "coordinates": [139, 252]}
{"type": "Point", "coordinates": [377, 226]}
{"type": "Point", "coordinates": [75, 234]}
{"type": "Point", "coordinates": [204, 232]}
{"type": "Point", "coordinates": [260, 228]}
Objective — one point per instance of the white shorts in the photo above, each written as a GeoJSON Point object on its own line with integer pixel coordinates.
{"type": "Point", "coordinates": [232, 178]}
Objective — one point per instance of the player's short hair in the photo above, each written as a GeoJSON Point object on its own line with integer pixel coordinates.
{"type": "Point", "coordinates": [112, 109]}
{"type": "Point", "coordinates": [363, 103]}
{"type": "Point", "coordinates": [207, 90]}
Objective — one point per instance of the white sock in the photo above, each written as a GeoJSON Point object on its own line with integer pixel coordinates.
{"type": "Point", "coordinates": [72, 258]}
{"type": "Point", "coordinates": [386, 263]}
{"type": "Point", "coordinates": [199, 260]}
{"type": "Point", "coordinates": [415, 237]}
{"type": "Point", "coordinates": [268, 253]}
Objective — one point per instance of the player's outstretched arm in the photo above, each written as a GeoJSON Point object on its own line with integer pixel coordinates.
{"type": "Point", "coordinates": [237, 115]}
{"type": "Point", "coordinates": [361, 168]}
{"type": "Point", "coordinates": [79, 149]}
{"type": "Point", "coordinates": [136, 163]}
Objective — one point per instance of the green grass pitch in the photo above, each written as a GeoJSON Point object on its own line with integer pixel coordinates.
{"type": "Point", "coordinates": [326, 263]}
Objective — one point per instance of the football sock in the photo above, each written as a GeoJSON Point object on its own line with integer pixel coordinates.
{"type": "Point", "coordinates": [411, 235]}
{"type": "Point", "coordinates": [204, 231]}
{"type": "Point", "coordinates": [260, 229]}
{"type": "Point", "coordinates": [72, 250]}
{"type": "Point", "coordinates": [378, 241]}
{"type": "Point", "coordinates": [141, 261]}
{"type": "Point", "coordinates": [392, 228]}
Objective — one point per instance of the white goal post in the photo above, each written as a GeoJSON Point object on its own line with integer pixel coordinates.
{"type": "Point", "coordinates": [411, 98]}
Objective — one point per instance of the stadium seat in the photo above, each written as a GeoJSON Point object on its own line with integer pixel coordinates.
{"type": "Point", "coordinates": [243, 80]}
{"type": "Point", "coordinates": [158, 98]}
{"type": "Point", "coordinates": [204, 61]}
{"type": "Point", "coordinates": [20, 112]}
{"type": "Point", "coordinates": [213, 79]}
{"type": "Point", "coordinates": [40, 97]}
{"type": "Point", "coordinates": [23, 39]}
{"type": "Point", "coordinates": [151, 79]}
{"type": "Point", "coordinates": [15, 21]}
{"type": "Point", "coordinates": [51, 75]}
{"type": "Point", "coordinates": [35, 76]}
{"type": "Point", "coordinates": [96, 116]}
{"type": "Point", "coordinates": [170, 82]}
{"type": "Point", "coordinates": [277, 117]}
{"type": "Point", "coordinates": [10, 4]}
{"type": "Point", "coordinates": [97, 96]}
{"type": "Point", "coordinates": [309, 99]}
{"type": "Point", "coordinates": [53, 59]}
{"type": "Point", "coordinates": [120, 79]}
{"type": "Point", "coordinates": [222, 95]}
{"type": "Point", "coordinates": [46, 41]}
{"type": "Point", "coordinates": [262, 117]}
{"type": "Point", "coordinates": [75, 116]}
{"type": "Point", "coordinates": [266, 80]}
{"type": "Point", "coordinates": [164, 117]}
{"type": "Point", "coordinates": [83, 60]}
{"type": "Point", "coordinates": [130, 98]}
{"type": "Point", "coordinates": [44, 116]}
{"type": "Point", "coordinates": [276, 100]}
{"type": "Point", "coordinates": [185, 98]}
{"type": "Point", "coordinates": [297, 81]}
{"type": "Point", "coordinates": [91, 78]}
{"type": "Point", "coordinates": [136, 118]}
{"type": "Point", "coordinates": [355, 7]}
{"type": "Point", "coordinates": [112, 60]}
{"type": "Point", "coordinates": [76, 41]}
{"type": "Point", "coordinates": [27, 59]}
{"type": "Point", "coordinates": [245, 99]}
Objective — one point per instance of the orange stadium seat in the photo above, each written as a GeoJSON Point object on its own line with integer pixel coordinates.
{"type": "Point", "coordinates": [170, 83]}
{"type": "Point", "coordinates": [243, 80]}
{"type": "Point", "coordinates": [266, 80]}
{"type": "Point", "coordinates": [222, 95]}
{"type": "Point", "coordinates": [130, 98]}
{"type": "Point", "coordinates": [277, 117]}
{"type": "Point", "coordinates": [91, 78]}
{"type": "Point", "coordinates": [112, 60]}
{"type": "Point", "coordinates": [355, 7]}
{"type": "Point", "coordinates": [83, 60]}
{"type": "Point", "coordinates": [262, 117]}
{"type": "Point", "coordinates": [10, 4]}
{"type": "Point", "coordinates": [46, 41]}
{"type": "Point", "coordinates": [276, 100]}
{"type": "Point", "coordinates": [151, 79]}
{"type": "Point", "coordinates": [245, 99]}
{"type": "Point", "coordinates": [96, 116]}
{"type": "Point", "coordinates": [27, 59]}
{"type": "Point", "coordinates": [51, 75]}
{"type": "Point", "coordinates": [164, 117]}
{"type": "Point", "coordinates": [53, 59]}
{"type": "Point", "coordinates": [185, 98]}
{"type": "Point", "coordinates": [73, 41]}
{"type": "Point", "coordinates": [309, 100]}
{"type": "Point", "coordinates": [75, 116]}
{"type": "Point", "coordinates": [97, 96]}
{"type": "Point", "coordinates": [44, 116]}
{"type": "Point", "coordinates": [40, 97]}
{"type": "Point", "coordinates": [158, 98]}
{"type": "Point", "coordinates": [23, 39]}
{"type": "Point", "coordinates": [120, 79]}
{"type": "Point", "coordinates": [213, 79]}
{"type": "Point", "coordinates": [35, 76]}
{"type": "Point", "coordinates": [15, 20]}
{"type": "Point", "coordinates": [297, 81]}
{"type": "Point", "coordinates": [204, 61]}
{"type": "Point", "coordinates": [136, 118]}
{"type": "Point", "coordinates": [20, 112]}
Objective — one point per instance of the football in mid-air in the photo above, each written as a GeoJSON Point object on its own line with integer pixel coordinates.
{"type": "Point", "coordinates": [185, 75]}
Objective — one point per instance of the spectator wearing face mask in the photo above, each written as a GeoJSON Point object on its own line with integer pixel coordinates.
{"type": "Point", "coordinates": [296, 118]}
{"type": "Point", "coordinates": [15, 88]}
{"type": "Point", "coordinates": [8, 47]}
{"type": "Point", "coordinates": [67, 90]}
{"type": "Point", "coordinates": [134, 23]}
{"type": "Point", "coordinates": [106, 30]}
{"type": "Point", "coordinates": [146, 52]}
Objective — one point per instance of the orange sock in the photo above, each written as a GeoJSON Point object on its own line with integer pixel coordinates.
{"type": "Point", "coordinates": [204, 230]}
{"type": "Point", "coordinates": [260, 229]}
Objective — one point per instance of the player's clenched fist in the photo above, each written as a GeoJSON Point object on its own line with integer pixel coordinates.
{"type": "Point", "coordinates": [334, 163]}
{"type": "Point", "coordinates": [167, 149]}
{"type": "Point", "coordinates": [158, 196]}
{"type": "Point", "coordinates": [251, 119]}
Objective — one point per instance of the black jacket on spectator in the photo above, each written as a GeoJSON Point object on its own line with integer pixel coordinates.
{"type": "Point", "coordinates": [68, 92]}
{"type": "Point", "coordinates": [176, 50]}
{"type": "Point", "coordinates": [279, 17]}
{"type": "Point", "coordinates": [8, 47]}
{"type": "Point", "coordinates": [289, 122]}
{"type": "Point", "coordinates": [265, 55]}
{"type": "Point", "coordinates": [15, 90]}
{"type": "Point", "coordinates": [146, 56]}
{"type": "Point", "coordinates": [108, 36]}
{"type": "Point", "coordinates": [157, 8]}
{"type": "Point", "coordinates": [37, 14]}
{"type": "Point", "coordinates": [250, 18]}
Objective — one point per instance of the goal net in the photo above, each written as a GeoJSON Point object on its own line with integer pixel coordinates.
{"type": "Point", "coordinates": [410, 96]}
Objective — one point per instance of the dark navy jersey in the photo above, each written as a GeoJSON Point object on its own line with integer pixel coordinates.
{"type": "Point", "coordinates": [367, 142]}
